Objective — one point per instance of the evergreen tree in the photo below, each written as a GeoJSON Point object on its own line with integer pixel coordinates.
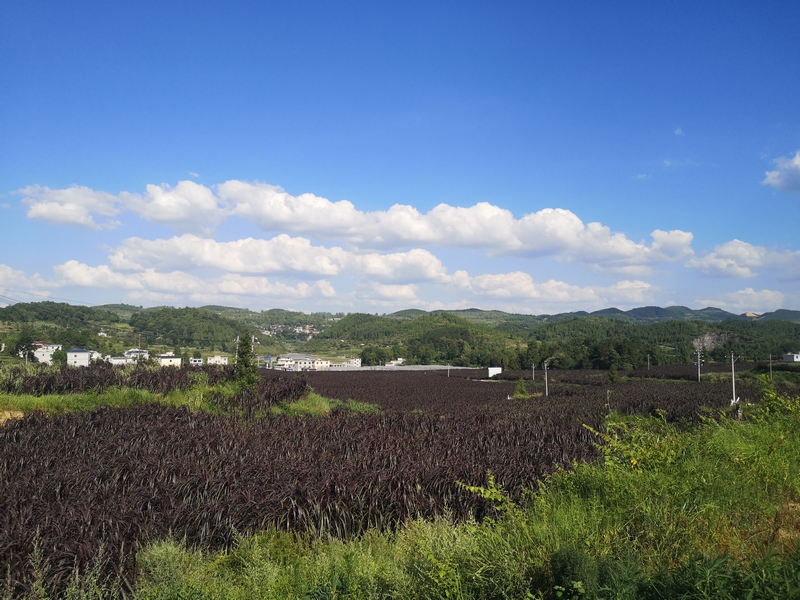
{"type": "Point", "coordinates": [245, 370]}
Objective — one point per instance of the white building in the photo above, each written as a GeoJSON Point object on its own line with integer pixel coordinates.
{"type": "Point", "coordinates": [136, 354]}
{"type": "Point", "coordinates": [301, 362]}
{"type": "Point", "coordinates": [119, 360]}
{"type": "Point", "coordinates": [169, 359]}
{"type": "Point", "coordinates": [78, 357]}
{"type": "Point", "coordinates": [353, 363]}
{"type": "Point", "coordinates": [44, 353]}
{"type": "Point", "coordinates": [791, 357]}
{"type": "Point", "coordinates": [217, 360]}
{"type": "Point", "coordinates": [196, 362]}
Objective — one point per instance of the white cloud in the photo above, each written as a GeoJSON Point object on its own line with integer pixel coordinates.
{"type": "Point", "coordinates": [555, 232]}
{"type": "Point", "coordinates": [186, 207]}
{"type": "Point", "coordinates": [643, 177]}
{"type": "Point", "coordinates": [73, 272]}
{"type": "Point", "coordinates": [175, 285]}
{"type": "Point", "coordinates": [786, 177]}
{"type": "Point", "coordinates": [679, 131]}
{"type": "Point", "coordinates": [741, 259]}
{"type": "Point", "coordinates": [748, 299]}
{"type": "Point", "coordinates": [397, 293]}
{"type": "Point", "coordinates": [76, 205]}
{"type": "Point", "coordinates": [13, 281]}
{"type": "Point", "coordinates": [5, 205]}
{"type": "Point", "coordinates": [519, 285]}
{"type": "Point", "coordinates": [193, 208]}
{"type": "Point", "coordinates": [273, 209]}
{"type": "Point", "coordinates": [280, 254]}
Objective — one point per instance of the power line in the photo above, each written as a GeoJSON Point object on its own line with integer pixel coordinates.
{"type": "Point", "coordinates": [46, 296]}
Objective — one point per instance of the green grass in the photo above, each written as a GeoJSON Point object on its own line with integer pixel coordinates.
{"type": "Point", "coordinates": [712, 512]}
{"type": "Point", "coordinates": [62, 403]}
{"type": "Point", "coordinates": [199, 397]}
{"type": "Point", "coordinates": [315, 405]}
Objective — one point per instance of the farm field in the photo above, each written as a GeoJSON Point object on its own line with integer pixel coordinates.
{"type": "Point", "coordinates": [111, 480]}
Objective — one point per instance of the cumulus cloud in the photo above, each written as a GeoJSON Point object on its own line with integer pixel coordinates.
{"type": "Point", "coordinates": [73, 272]}
{"type": "Point", "coordinates": [193, 208]}
{"type": "Point", "coordinates": [174, 285]}
{"type": "Point", "coordinates": [786, 176]}
{"type": "Point", "coordinates": [13, 281]}
{"type": "Point", "coordinates": [280, 254]}
{"type": "Point", "coordinates": [748, 299]}
{"type": "Point", "coordinates": [741, 259]}
{"type": "Point", "coordinates": [186, 207]}
{"type": "Point", "coordinates": [520, 285]}
{"type": "Point", "coordinates": [679, 131]}
{"type": "Point", "coordinates": [77, 206]}
{"type": "Point", "coordinates": [397, 293]}
{"type": "Point", "coordinates": [550, 231]}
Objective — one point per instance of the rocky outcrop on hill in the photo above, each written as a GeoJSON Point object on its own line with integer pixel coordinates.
{"type": "Point", "coordinates": [709, 341]}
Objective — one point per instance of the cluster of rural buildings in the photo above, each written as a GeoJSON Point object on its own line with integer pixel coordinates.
{"type": "Point", "coordinates": [309, 362]}
{"type": "Point", "coordinates": [287, 362]}
{"type": "Point", "coordinates": [307, 330]}
{"type": "Point", "coordinates": [79, 357]}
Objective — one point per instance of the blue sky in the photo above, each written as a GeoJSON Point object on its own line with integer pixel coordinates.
{"type": "Point", "coordinates": [524, 156]}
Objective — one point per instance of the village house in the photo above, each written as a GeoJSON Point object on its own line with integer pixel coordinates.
{"type": "Point", "coordinates": [44, 353]}
{"type": "Point", "coordinates": [170, 359]}
{"type": "Point", "coordinates": [77, 357]}
{"type": "Point", "coordinates": [793, 357]}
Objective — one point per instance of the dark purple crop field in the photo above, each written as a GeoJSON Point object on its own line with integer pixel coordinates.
{"type": "Point", "coordinates": [118, 478]}
{"type": "Point", "coordinates": [591, 395]}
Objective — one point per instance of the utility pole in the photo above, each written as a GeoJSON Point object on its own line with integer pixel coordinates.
{"type": "Point", "coordinates": [699, 354]}
{"type": "Point", "coordinates": [533, 372]}
{"type": "Point", "coordinates": [648, 361]}
{"type": "Point", "coordinates": [546, 391]}
{"type": "Point", "coordinates": [735, 399]}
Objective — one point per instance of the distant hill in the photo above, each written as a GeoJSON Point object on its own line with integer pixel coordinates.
{"type": "Point", "coordinates": [781, 315]}
{"type": "Point", "coordinates": [195, 327]}
{"type": "Point", "coordinates": [656, 314]}
{"type": "Point", "coordinates": [123, 311]}
{"type": "Point", "coordinates": [274, 316]}
{"type": "Point", "coordinates": [427, 339]}
{"type": "Point", "coordinates": [58, 313]}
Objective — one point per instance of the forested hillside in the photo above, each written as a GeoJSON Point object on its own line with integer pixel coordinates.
{"type": "Point", "coordinates": [57, 313]}
{"type": "Point", "coordinates": [194, 327]}
{"type": "Point", "coordinates": [623, 339]}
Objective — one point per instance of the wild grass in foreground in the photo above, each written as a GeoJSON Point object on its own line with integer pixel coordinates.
{"type": "Point", "coordinates": [709, 513]}
{"type": "Point", "coordinates": [214, 399]}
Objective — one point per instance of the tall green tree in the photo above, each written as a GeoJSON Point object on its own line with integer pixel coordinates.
{"type": "Point", "coordinates": [245, 370]}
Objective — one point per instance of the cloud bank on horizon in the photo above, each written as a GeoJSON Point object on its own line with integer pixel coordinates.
{"type": "Point", "coordinates": [529, 158]}
{"type": "Point", "coordinates": [380, 259]}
